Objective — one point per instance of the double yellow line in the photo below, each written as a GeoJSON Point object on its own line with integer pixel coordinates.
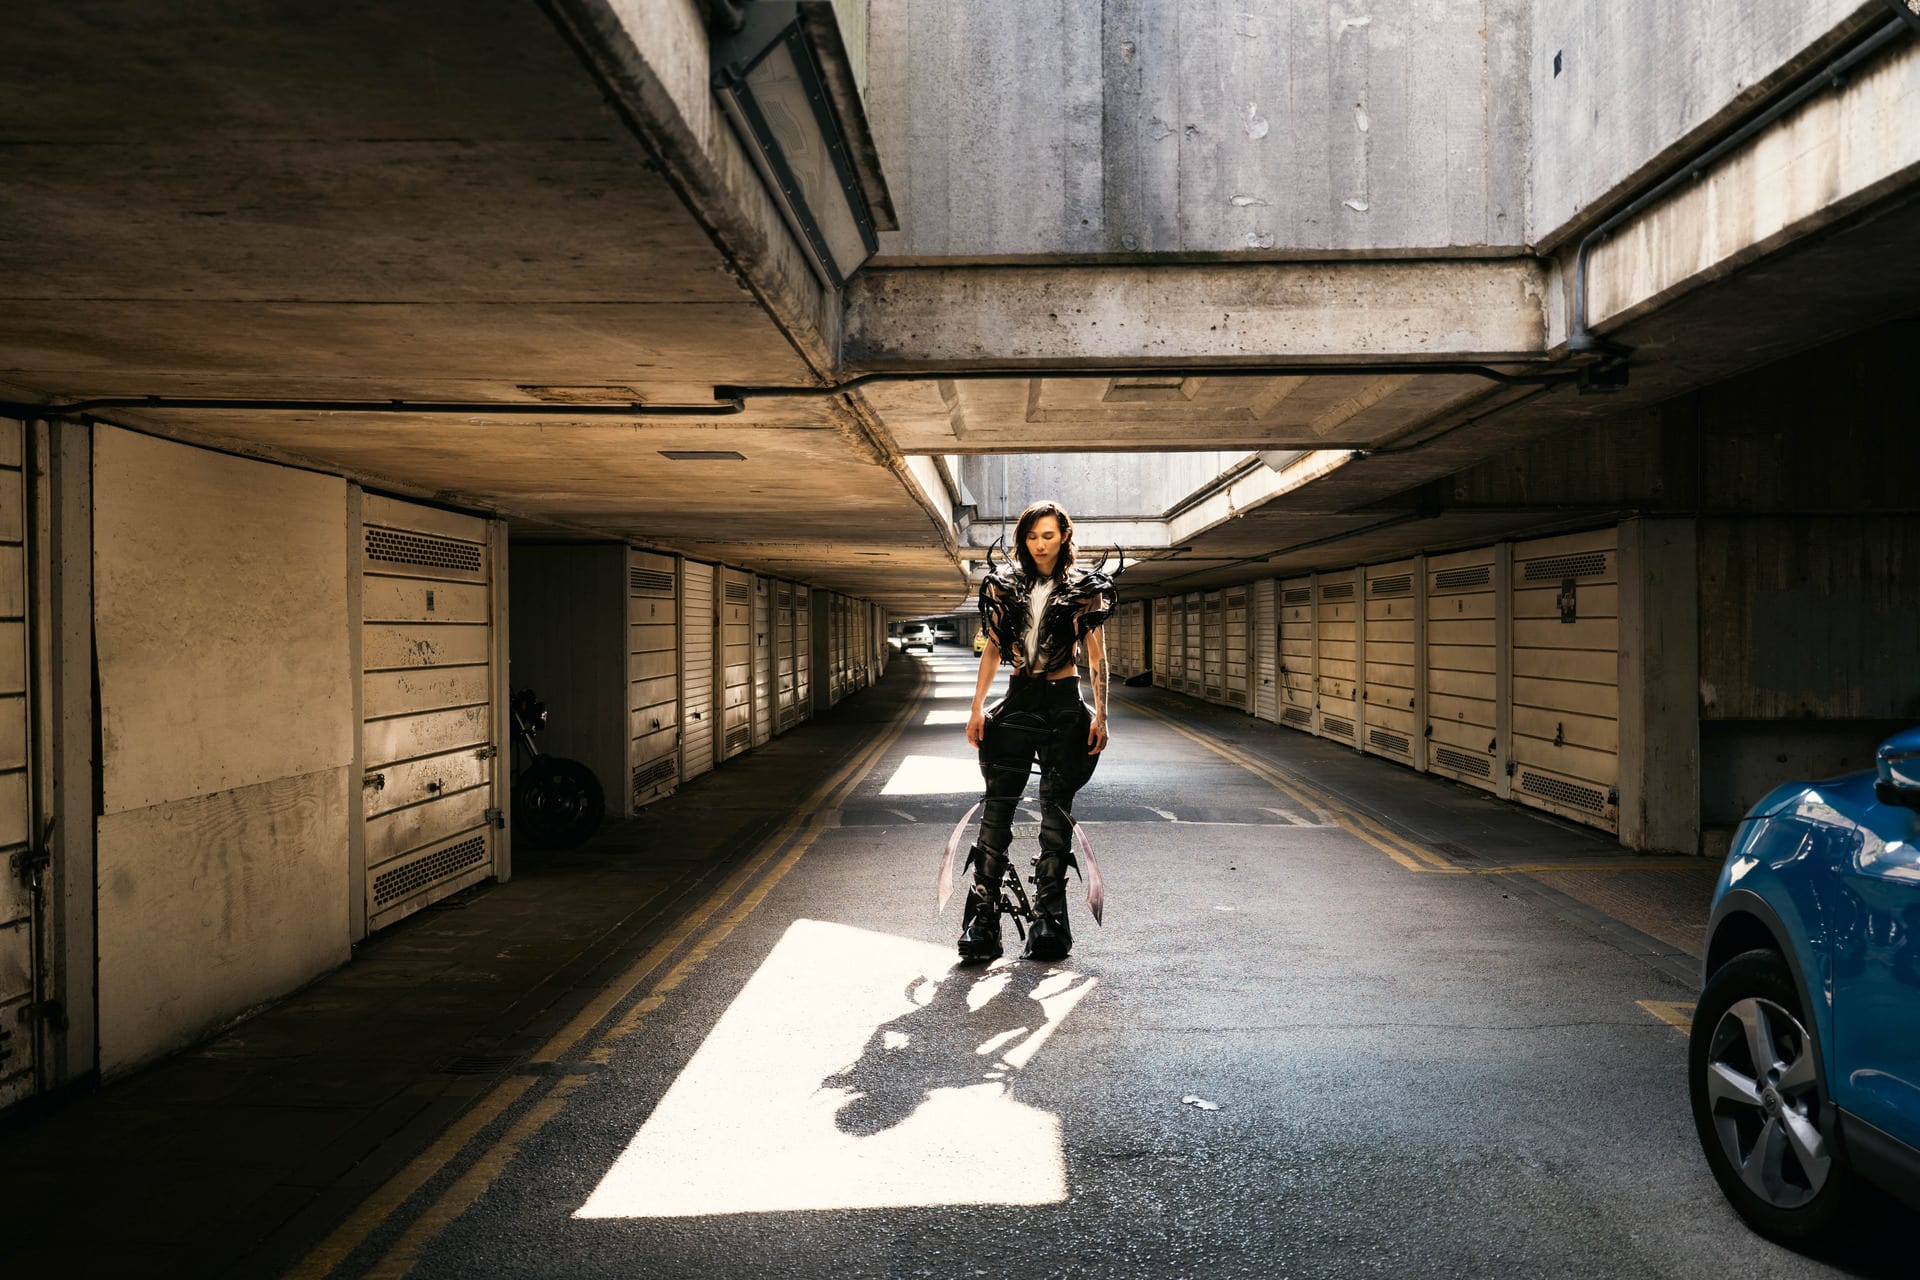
{"type": "Point", "coordinates": [776, 856]}
{"type": "Point", "coordinates": [1408, 853]}
{"type": "Point", "coordinates": [1403, 851]}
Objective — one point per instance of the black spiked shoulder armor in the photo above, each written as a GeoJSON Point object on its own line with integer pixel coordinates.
{"type": "Point", "coordinates": [1080, 602]}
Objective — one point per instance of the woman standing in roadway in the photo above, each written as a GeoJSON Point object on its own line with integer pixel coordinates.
{"type": "Point", "coordinates": [1035, 614]}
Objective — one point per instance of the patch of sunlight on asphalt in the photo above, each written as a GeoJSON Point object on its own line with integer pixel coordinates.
{"type": "Point", "coordinates": [855, 1070]}
{"type": "Point", "coordinates": [934, 776]}
{"type": "Point", "coordinates": [945, 717]}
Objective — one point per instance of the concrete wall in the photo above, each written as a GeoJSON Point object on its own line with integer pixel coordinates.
{"type": "Point", "coordinates": [226, 737]}
{"type": "Point", "coordinates": [1051, 127]}
{"type": "Point", "coordinates": [1639, 82]}
{"type": "Point", "coordinates": [1113, 485]}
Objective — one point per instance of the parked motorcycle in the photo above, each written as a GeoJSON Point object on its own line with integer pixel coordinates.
{"type": "Point", "coordinates": [557, 802]}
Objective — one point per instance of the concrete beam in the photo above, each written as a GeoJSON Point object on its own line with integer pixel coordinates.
{"type": "Point", "coordinates": [1835, 156]}
{"type": "Point", "coordinates": [1079, 317]}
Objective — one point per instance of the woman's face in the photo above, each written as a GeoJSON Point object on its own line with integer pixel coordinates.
{"type": "Point", "coordinates": [1043, 542]}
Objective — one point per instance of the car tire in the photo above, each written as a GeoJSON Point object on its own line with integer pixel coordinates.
{"type": "Point", "coordinates": [1766, 1126]}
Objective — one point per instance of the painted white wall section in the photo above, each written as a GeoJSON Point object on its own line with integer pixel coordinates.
{"type": "Point", "coordinates": [226, 734]}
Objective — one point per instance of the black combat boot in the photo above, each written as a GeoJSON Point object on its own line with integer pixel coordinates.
{"type": "Point", "coordinates": [1049, 938]}
{"type": "Point", "coordinates": [980, 926]}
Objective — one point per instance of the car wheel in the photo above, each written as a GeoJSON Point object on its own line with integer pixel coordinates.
{"type": "Point", "coordinates": [1759, 1104]}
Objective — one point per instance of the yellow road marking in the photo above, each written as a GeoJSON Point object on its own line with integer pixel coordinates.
{"type": "Point", "coordinates": [472, 1184]}
{"type": "Point", "coordinates": [332, 1251]}
{"type": "Point", "coordinates": [1397, 847]}
{"type": "Point", "coordinates": [1636, 864]}
{"type": "Point", "coordinates": [1675, 1013]}
{"type": "Point", "coordinates": [816, 813]}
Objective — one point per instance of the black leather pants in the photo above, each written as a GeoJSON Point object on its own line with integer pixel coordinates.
{"type": "Point", "coordinates": [1040, 722]}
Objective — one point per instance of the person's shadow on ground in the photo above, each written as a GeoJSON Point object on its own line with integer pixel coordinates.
{"type": "Point", "coordinates": [944, 1043]}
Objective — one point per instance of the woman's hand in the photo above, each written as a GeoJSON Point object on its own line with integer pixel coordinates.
{"type": "Point", "coordinates": [1097, 735]}
{"type": "Point", "coordinates": [976, 727]}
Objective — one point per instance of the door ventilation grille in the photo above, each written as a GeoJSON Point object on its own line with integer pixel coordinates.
{"type": "Point", "coordinates": [1560, 791]}
{"type": "Point", "coordinates": [1554, 568]}
{"type": "Point", "coordinates": [1237, 698]}
{"type": "Point", "coordinates": [1398, 584]}
{"type": "Point", "coordinates": [650, 581]}
{"type": "Point", "coordinates": [1297, 595]}
{"type": "Point", "coordinates": [738, 739]}
{"type": "Point", "coordinates": [422, 550]}
{"type": "Point", "coordinates": [1212, 691]}
{"type": "Point", "coordinates": [1297, 715]}
{"type": "Point", "coordinates": [1237, 601]}
{"type": "Point", "coordinates": [1478, 575]}
{"type": "Point", "coordinates": [1389, 742]}
{"type": "Point", "coordinates": [403, 882]}
{"type": "Point", "coordinates": [1337, 727]}
{"type": "Point", "coordinates": [1337, 591]}
{"type": "Point", "coordinates": [737, 593]}
{"type": "Point", "coordinates": [648, 776]}
{"type": "Point", "coordinates": [1463, 762]}
{"type": "Point", "coordinates": [787, 716]}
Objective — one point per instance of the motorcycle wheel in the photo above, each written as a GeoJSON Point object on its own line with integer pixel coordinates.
{"type": "Point", "coordinates": [557, 803]}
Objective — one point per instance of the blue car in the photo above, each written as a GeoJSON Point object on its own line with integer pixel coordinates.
{"type": "Point", "coordinates": [1804, 1059]}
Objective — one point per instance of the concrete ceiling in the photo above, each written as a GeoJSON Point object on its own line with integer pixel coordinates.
{"type": "Point", "coordinates": [435, 201]}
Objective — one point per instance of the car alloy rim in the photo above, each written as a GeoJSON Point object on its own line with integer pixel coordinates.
{"type": "Point", "coordinates": [1764, 1094]}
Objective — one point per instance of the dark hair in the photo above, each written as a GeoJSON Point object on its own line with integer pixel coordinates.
{"type": "Point", "coordinates": [1032, 516]}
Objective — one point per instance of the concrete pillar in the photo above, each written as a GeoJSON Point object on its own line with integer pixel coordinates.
{"type": "Point", "coordinates": [1659, 686]}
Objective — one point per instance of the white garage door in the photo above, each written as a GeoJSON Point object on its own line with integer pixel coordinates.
{"type": "Point", "coordinates": [1392, 710]}
{"type": "Point", "coordinates": [1335, 636]}
{"type": "Point", "coordinates": [1566, 676]}
{"type": "Point", "coordinates": [1162, 641]}
{"type": "Point", "coordinates": [1196, 637]}
{"type": "Point", "coordinates": [429, 745]}
{"type": "Point", "coordinates": [698, 623]}
{"type": "Point", "coordinates": [1213, 647]}
{"type": "Point", "coordinates": [1266, 649]}
{"type": "Point", "coordinates": [1461, 656]}
{"type": "Point", "coordinates": [653, 675]}
{"type": "Point", "coordinates": [1234, 639]}
{"type": "Point", "coordinates": [802, 653]}
{"type": "Point", "coordinates": [736, 638]}
{"type": "Point", "coordinates": [21, 915]}
{"type": "Point", "coordinates": [764, 644]}
{"type": "Point", "coordinates": [1298, 674]}
{"type": "Point", "coordinates": [786, 712]}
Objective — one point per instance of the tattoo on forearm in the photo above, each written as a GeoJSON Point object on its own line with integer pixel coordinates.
{"type": "Point", "coordinates": [1100, 683]}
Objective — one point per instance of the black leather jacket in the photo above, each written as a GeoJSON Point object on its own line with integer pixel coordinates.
{"type": "Point", "coordinates": [1080, 602]}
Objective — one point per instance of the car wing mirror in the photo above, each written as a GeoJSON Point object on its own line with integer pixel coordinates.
{"type": "Point", "coordinates": [1898, 764]}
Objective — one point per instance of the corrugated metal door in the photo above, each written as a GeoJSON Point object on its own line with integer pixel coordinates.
{"type": "Point", "coordinates": [22, 913]}
{"type": "Point", "coordinates": [1336, 638]}
{"type": "Point", "coordinates": [429, 749]}
{"type": "Point", "coordinates": [1266, 649]}
{"type": "Point", "coordinates": [1461, 655]}
{"type": "Point", "coordinates": [786, 711]}
{"type": "Point", "coordinates": [802, 653]}
{"type": "Point", "coordinates": [1213, 647]}
{"type": "Point", "coordinates": [1299, 675]}
{"type": "Point", "coordinates": [653, 675]}
{"type": "Point", "coordinates": [764, 644]}
{"type": "Point", "coordinates": [1390, 685]}
{"type": "Point", "coordinates": [698, 621]}
{"type": "Point", "coordinates": [1196, 637]}
{"type": "Point", "coordinates": [736, 640]}
{"type": "Point", "coordinates": [1566, 676]}
{"type": "Point", "coordinates": [1234, 663]}
{"type": "Point", "coordinates": [1163, 650]}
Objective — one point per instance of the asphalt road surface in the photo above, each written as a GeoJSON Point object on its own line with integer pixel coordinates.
{"type": "Point", "coordinates": [1288, 1052]}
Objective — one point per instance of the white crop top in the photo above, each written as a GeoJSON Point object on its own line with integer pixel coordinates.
{"type": "Point", "coordinates": [1036, 609]}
